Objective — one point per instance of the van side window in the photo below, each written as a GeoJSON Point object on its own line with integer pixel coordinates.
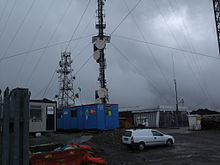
{"type": "Point", "coordinates": [155, 133]}
{"type": "Point", "coordinates": [127, 133]}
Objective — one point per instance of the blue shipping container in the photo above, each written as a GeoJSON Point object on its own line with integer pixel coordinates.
{"type": "Point", "coordinates": [84, 117]}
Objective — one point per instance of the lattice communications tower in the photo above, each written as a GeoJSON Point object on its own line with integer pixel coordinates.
{"type": "Point", "coordinates": [66, 95]}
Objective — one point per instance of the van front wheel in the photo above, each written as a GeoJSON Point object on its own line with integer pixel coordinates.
{"type": "Point", "coordinates": [141, 146]}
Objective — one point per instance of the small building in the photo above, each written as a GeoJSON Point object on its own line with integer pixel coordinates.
{"type": "Point", "coordinates": [86, 117]}
{"type": "Point", "coordinates": [205, 119]}
{"type": "Point", "coordinates": [211, 121]}
{"type": "Point", "coordinates": [161, 116]}
{"type": "Point", "coordinates": [195, 122]}
{"type": "Point", "coordinates": [126, 119]}
{"type": "Point", "coordinates": [42, 115]}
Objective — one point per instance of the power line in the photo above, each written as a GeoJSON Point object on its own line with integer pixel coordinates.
{"type": "Point", "coordinates": [197, 78]}
{"type": "Point", "coordinates": [184, 27]}
{"type": "Point", "coordinates": [174, 37]}
{"type": "Point", "coordinates": [150, 50]}
{"type": "Point", "coordinates": [78, 54]}
{"type": "Point", "coordinates": [78, 24]}
{"type": "Point", "coordinates": [148, 79]}
{"type": "Point", "coordinates": [127, 38]}
{"type": "Point", "coordinates": [41, 48]}
{"type": "Point", "coordinates": [86, 27]}
{"type": "Point", "coordinates": [199, 67]}
{"type": "Point", "coordinates": [3, 11]}
{"type": "Point", "coordinates": [81, 67]}
{"type": "Point", "coordinates": [167, 25]}
{"type": "Point", "coordinates": [197, 81]}
{"type": "Point", "coordinates": [161, 14]}
{"type": "Point", "coordinates": [174, 74]}
{"type": "Point", "coordinates": [68, 43]}
{"type": "Point", "coordinates": [34, 38]}
{"type": "Point", "coordinates": [169, 48]}
{"type": "Point", "coordinates": [201, 83]}
{"type": "Point", "coordinates": [192, 107]}
{"type": "Point", "coordinates": [51, 37]}
{"type": "Point", "coordinates": [165, 46]}
{"type": "Point", "coordinates": [84, 48]}
{"type": "Point", "coordinates": [6, 23]}
{"type": "Point", "coordinates": [118, 36]}
{"type": "Point", "coordinates": [50, 81]}
{"type": "Point", "coordinates": [19, 28]}
{"type": "Point", "coordinates": [126, 17]}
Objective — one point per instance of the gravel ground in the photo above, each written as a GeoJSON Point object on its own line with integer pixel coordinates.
{"type": "Point", "coordinates": [200, 147]}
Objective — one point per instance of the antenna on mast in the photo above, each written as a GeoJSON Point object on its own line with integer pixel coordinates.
{"type": "Point", "coordinates": [99, 43]}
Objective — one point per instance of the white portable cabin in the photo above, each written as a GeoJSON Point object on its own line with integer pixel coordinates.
{"type": "Point", "coordinates": [42, 115]}
{"type": "Point", "coordinates": [195, 122]}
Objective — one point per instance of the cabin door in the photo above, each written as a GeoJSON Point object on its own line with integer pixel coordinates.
{"type": "Point", "coordinates": [50, 118]}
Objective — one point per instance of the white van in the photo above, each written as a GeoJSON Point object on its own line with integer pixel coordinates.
{"type": "Point", "coordinates": [146, 137]}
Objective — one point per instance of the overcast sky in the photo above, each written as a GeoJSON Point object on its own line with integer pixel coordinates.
{"type": "Point", "coordinates": [138, 74]}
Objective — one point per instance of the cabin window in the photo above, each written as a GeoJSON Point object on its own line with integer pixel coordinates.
{"type": "Point", "coordinates": [35, 113]}
{"type": "Point", "coordinates": [73, 112]}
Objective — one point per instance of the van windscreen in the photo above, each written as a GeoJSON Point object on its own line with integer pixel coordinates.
{"type": "Point", "coordinates": [127, 133]}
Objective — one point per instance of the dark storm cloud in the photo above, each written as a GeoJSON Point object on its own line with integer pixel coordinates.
{"type": "Point", "coordinates": [144, 77]}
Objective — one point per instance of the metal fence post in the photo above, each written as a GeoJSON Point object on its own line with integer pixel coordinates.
{"type": "Point", "coordinates": [15, 140]}
{"type": "Point", "coordinates": [5, 131]}
{"type": "Point", "coordinates": [26, 128]}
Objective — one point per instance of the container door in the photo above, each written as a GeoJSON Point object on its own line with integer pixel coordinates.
{"type": "Point", "coordinates": [73, 122]}
{"type": "Point", "coordinates": [80, 118]}
{"type": "Point", "coordinates": [50, 117]}
{"type": "Point", "coordinates": [66, 119]}
{"type": "Point", "coordinates": [59, 119]}
{"type": "Point", "coordinates": [90, 113]}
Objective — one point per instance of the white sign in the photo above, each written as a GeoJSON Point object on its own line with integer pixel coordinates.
{"type": "Point", "coordinates": [50, 110]}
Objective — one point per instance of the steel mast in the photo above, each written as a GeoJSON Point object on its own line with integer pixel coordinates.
{"type": "Point", "coordinates": [99, 42]}
{"type": "Point", "coordinates": [216, 6]}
